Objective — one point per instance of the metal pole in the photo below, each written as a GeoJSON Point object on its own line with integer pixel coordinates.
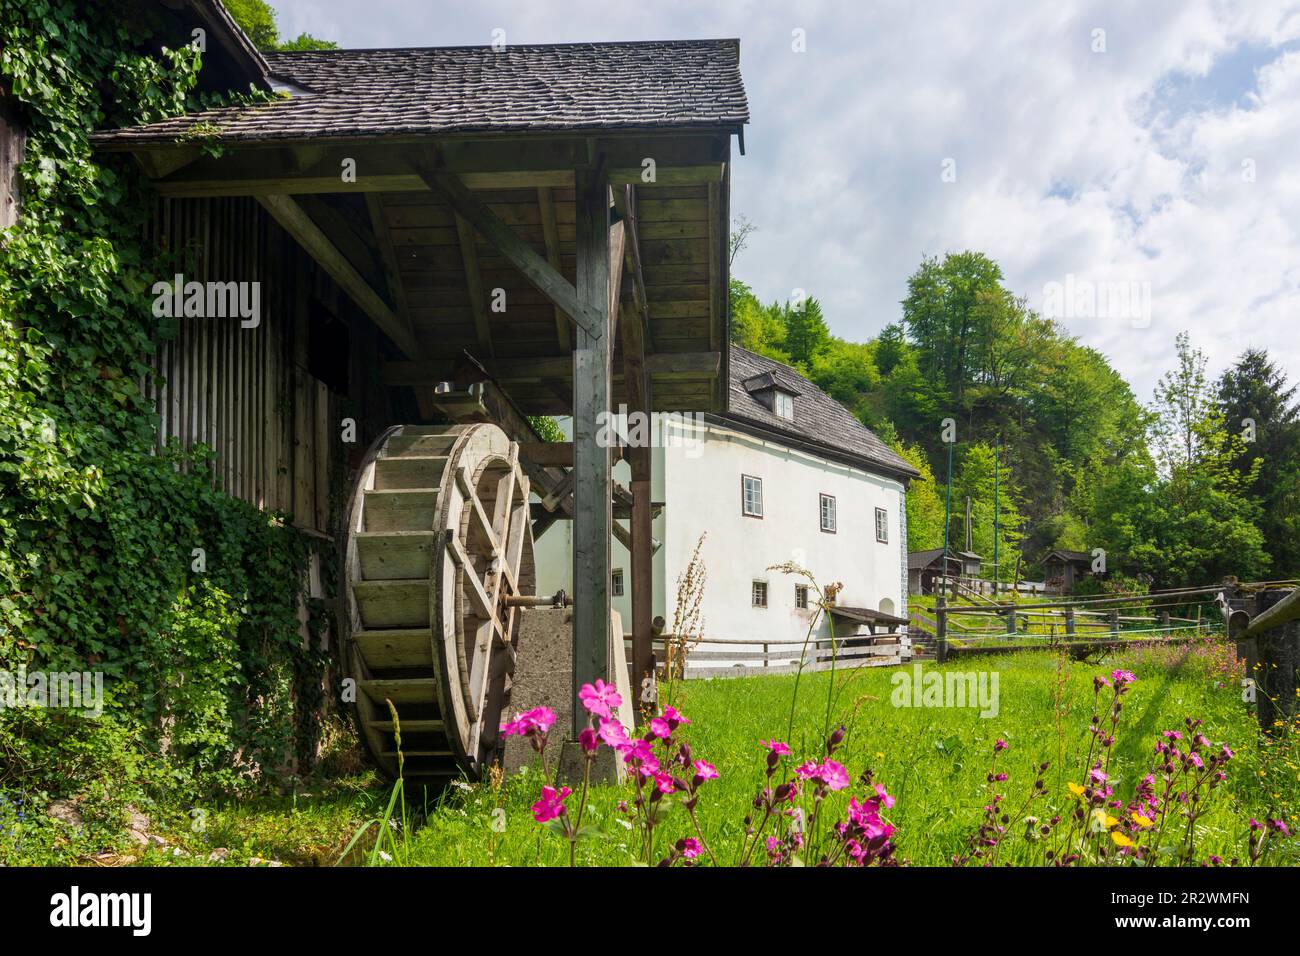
{"type": "Point", "coordinates": [997, 469]}
{"type": "Point", "coordinates": [947, 519]}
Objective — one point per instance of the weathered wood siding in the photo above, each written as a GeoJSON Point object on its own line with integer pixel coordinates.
{"type": "Point", "coordinates": [248, 393]}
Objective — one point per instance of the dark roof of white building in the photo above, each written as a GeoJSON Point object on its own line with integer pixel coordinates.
{"type": "Point", "coordinates": [819, 422]}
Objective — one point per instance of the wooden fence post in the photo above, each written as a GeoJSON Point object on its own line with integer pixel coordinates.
{"type": "Point", "coordinates": [1011, 623]}
{"type": "Point", "coordinates": [1113, 617]}
{"type": "Point", "coordinates": [1069, 622]}
{"type": "Point", "coordinates": [940, 629]}
{"type": "Point", "coordinates": [1278, 674]}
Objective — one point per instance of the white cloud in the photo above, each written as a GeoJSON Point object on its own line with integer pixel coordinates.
{"type": "Point", "coordinates": [1100, 165]}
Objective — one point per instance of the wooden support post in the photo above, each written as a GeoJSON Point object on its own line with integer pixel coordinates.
{"type": "Point", "coordinates": [940, 629]}
{"type": "Point", "coordinates": [1069, 622]}
{"type": "Point", "coordinates": [1011, 623]}
{"type": "Point", "coordinates": [643, 658]}
{"type": "Point", "coordinates": [1164, 621]}
{"type": "Point", "coordinates": [634, 332]}
{"type": "Point", "coordinates": [1113, 617]}
{"type": "Point", "coordinates": [593, 513]}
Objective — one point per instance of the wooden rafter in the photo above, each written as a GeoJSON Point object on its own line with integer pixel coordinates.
{"type": "Point", "coordinates": [295, 221]}
{"type": "Point", "coordinates": [474, 283]}
{"type": "Point", "coordinates": [551, 237]}
{"type": "Point", "coordinates": [451, 189]}
{"type": "Point", "coordinates": [634, 268]}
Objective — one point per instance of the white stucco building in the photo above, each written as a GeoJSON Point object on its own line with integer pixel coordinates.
{"type": "Point", "coordinates": [787, 474]}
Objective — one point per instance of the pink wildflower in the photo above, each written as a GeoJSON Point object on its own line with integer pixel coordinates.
{"type": "Point", "coordinates": [551, 804]}
{"type": "Point", "coordinates": [777, 747]}
{"type": "Point", "coordinates": [828, 772]}
{"type": "Point", "coordinates": [612, 732]}
{"type": "Point", "coordinates": [690, 847]}
{"type": "Point", "coordinates": [536, 721]}
{"type": "Point", "coordinates": [660, 727]}
{"type": "Point", "coordinates": [705, 770]}
{"type": "Point", "coordinates": [590, 742]}
{"type": "Point", "coordinates": [600, 699]}
{"type": "Point", "coordinates": [674, 717]}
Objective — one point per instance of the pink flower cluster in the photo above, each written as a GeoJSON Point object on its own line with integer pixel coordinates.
{"type": "Point", "coordinates": [864, 837]}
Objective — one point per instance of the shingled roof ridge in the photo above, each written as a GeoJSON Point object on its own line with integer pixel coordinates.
{"type": "Point", "coordinates": [336, 51]}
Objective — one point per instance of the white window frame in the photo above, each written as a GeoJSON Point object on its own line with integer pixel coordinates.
{"type": "Point", "coordinates": [745, 496]}
{"type": "Point", "coordinates": [822, 512]}
{"type": "Point", "coordinates": [758, 589]}
{"type": "Point", "coordinates": [801, 596]}
{"type": "Point", "coordinates": [783, 402]}
{"type": "Point", "coordinates": [882, 517]}
{"type": "Point", "coordinates": [616, 583]}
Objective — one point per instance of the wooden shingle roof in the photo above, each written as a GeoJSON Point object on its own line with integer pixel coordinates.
{"type": "Point", "coordinates": [819, 420]}
{"type": "Point", "coordinates": [362, 94]}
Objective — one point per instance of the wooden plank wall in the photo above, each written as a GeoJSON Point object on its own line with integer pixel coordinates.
{"type": "Point", "coordinates": [247, 392]}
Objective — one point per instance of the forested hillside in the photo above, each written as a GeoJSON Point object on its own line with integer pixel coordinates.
{"type": "Point", "coordinates": [1177, 487]}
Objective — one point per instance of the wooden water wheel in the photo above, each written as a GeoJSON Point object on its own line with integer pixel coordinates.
{"type": "Point", "coordinates": [439, 542]}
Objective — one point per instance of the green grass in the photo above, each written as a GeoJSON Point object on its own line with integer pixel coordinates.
{"type": "Point", "coordinates": [933, 760]}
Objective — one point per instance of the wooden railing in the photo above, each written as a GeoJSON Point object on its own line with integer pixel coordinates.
{"type": "Point", "coordinates": [746, 657]}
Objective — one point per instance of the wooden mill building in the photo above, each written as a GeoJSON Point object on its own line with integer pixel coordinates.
{"type": "Point", "coordinates": [545, 228]}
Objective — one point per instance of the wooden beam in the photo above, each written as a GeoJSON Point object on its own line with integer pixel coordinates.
{"type": "Point", "coordinates": [393, 276]}
{"type": "Point", "coordinates": [451, 189]}
{"type": "Point", "coordinates": [286, 211]}
{"type": "Point", "coordinates": [634, 267]}
{"type": "Point", "coordinates": [551, 237]}
{"type": "Point", "coordinates": [184, 170]}
{"type": "Point", "coordinates": [474, 282]}
{"type": "Point", "coordinates": [593, 518]}
{"type": "Point", "coordinates": [663, 365]}
{"type": "Point", "coordinates": [635, 327]}
{"type": "Point", "coordinates": [552, 454]}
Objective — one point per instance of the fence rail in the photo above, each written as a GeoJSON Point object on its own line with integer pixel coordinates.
{"type": "Point", "coordinates": [746, 657]}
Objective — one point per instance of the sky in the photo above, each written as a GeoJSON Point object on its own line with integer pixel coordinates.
{"type": "Point", "coordinates": [1134, 167]}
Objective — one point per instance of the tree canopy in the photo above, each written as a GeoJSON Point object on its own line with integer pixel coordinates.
{"type": "Point", "coordinates": [1201, 482]}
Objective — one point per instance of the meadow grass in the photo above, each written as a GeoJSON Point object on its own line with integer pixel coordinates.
{"type": "Point", "coordinates": [934, 761]}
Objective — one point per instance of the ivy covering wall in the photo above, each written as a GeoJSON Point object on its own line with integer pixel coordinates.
{"type": "Point", "coordinates": [206, 674]}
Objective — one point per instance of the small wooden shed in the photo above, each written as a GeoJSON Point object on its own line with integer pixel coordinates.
{"type": "Point", "coordinates": [1063, 570]}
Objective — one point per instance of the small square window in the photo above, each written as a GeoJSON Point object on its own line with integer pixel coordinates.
{"type": "Point", "coordinates": [801, 595]}
{"type": "Point", "coordinates": [828, 513]}
{"type": "Point", "coordinates": [882, 525]}
{"type": "Point", "coordinates": [783, 405]}
{"type": "Point", "coordinates": [751, 496]}
{"type": "Point", "coordinates": [758, 594]}
{"type": "Point", "coordinates": [616, 586]}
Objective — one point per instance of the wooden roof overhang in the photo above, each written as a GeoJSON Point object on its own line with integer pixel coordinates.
{"type": "Point", "coordinates": [466, 243]}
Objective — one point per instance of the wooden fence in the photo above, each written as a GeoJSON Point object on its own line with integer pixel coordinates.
{"type": "Point", "coordinates": [745, 657]}
{"type": "Point", "coordinates": [986, 626]}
